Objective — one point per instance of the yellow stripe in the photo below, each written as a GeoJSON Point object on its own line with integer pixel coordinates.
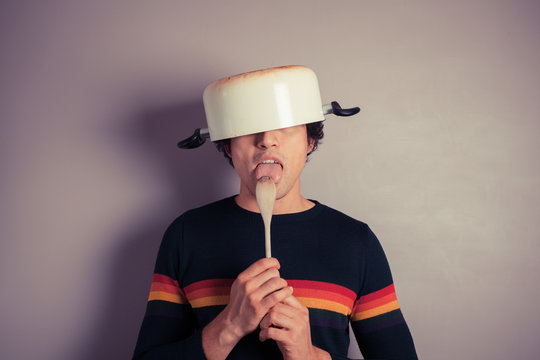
{"type": "Point", "coordinates": [210, 301]}
{"type": "Point", "coordinates": [361, 315]}
{"type": "Point", "coordinates": [325, 305]}
{"type": "Point", "coordinates": [165, 296]}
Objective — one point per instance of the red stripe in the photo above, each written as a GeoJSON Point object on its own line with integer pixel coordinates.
{"type": "Point", "coordinates": [377, 294]}
{"type": "Point", "coordinates": [320, 285]}
{"type": "Point", "coordinates": [157, 286]}
{"type": "Point", "coordinates": [165, 280]}
{"type": "Point", "coordinates": [217, 291]}
{"type": "Point", "coordinates": [208, 284]}
{"type": "Point", "coordinates": [323, 295]}
{"type": "Point", "coordinates": [302, 288]}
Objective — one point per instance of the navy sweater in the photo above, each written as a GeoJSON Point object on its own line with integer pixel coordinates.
{"type": "Point", "coordinates": [334, 263]}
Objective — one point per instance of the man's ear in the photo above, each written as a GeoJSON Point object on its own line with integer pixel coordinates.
{"type": "Point", "coordinates": [227, 149]}
{"type": "Point", "coordinates": [310, 145]}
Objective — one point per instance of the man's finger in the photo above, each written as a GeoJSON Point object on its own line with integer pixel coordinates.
{"type": "Point", "coordinates": [262, 281]}
{"type": "Point", "coordinates": [274, 333]}
{"type": "Point", "coordinates": [259, 267]}
{"type": "Point", "coordinates": [285, 309]}
{"type": "Point", "coordinates": [273, 283]}
{"type": "Point", "coordinates": [276, 297]}
{"type": "Point", "coordinates": [294, 302]}
{"type": "Point", "coordinates": [278, 319]}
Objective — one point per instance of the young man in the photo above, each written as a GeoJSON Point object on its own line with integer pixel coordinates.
{"type": "Point", "coordinates": [213, 297]}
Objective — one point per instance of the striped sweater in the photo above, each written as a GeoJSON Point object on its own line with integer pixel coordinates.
{"type": "Point", "coordinates": [334, 263]}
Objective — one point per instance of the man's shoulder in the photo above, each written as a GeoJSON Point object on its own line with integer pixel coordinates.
{"type": "Point", "coordinates": [346, 231]}
{"type": "Point", "coordinates": [340, 217]}
{"type": "Point", "coordinates": [209, 211]}
{"type": "Point", "coordinates": [204, 212]}
{"type": "Point", "coordinates": [210, 208]}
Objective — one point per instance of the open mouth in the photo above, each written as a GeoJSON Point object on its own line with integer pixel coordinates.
{"type": "Point", "coordinates": [270, 168]}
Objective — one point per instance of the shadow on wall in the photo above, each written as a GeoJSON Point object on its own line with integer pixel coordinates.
{"type": "Point", "coordinates": [193, 178]}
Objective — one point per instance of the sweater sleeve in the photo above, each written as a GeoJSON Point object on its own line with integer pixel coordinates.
{"type": "Point", "coordinates": [376, 320]}
{"type": "Point", "coordinates": [169, 329]}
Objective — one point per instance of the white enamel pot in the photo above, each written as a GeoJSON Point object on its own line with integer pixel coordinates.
{"type": "Point", "coordinates": [262, 100]}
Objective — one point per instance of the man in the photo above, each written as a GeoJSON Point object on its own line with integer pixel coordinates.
{"type": "Point", "coordinates": [212, 295]}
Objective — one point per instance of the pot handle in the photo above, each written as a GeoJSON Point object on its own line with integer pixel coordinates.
{"type": "Point", "coordinates": [336, 109]}
{"type": "Point", "coordinates": [197, 139]}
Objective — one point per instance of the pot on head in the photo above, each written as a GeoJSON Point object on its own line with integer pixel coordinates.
{"type": "Point", "coordinates": [260, 101]}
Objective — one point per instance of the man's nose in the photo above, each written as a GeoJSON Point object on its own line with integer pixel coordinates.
{"type": "Point", "coordinates": [267, 139]}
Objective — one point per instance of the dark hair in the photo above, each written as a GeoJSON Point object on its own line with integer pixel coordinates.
{"type": "Point", "coordinates": [314, 131]}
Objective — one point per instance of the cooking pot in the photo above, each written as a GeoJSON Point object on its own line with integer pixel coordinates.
{"type": "Point", "coordinates": [262, 100]}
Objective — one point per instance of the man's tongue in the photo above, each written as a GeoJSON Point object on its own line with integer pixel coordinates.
{"type": "Point", "coordinates": [271, 170]}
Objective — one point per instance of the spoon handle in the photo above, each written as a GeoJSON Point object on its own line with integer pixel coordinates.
{"type": "Point", "coordinates": [267, 243]}
{"type": "Point", "coordinates": [265, 193]}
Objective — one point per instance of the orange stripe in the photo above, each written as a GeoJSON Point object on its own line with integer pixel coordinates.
{"type": "Point", "coordinates": [325, 305]}
{"type": "Point", "coordinates": [376, 303]}
{"type": "Point", "coordinates": [308, 302]}
{"type": "Point", "coordinates": [210, 301]}
{"type": "Point", "coordinates": [323, 295]}
{"type": "Point", "coordinates": [165, 296]}
{"type": "Point", "coordinates": [361, 315]}
{"type": "Point", "coordinates": [193, 295]}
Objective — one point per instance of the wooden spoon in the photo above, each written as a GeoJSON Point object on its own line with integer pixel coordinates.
{"type": "Point", "coordinates": [265, 193]}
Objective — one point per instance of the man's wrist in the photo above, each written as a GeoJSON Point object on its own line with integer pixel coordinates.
{"type": "Point", "coordinates": [219, 338]}
{"type": "Point", "coordinates": [228, 333]}
{"type": "Point", "coordinates": [319, 354]}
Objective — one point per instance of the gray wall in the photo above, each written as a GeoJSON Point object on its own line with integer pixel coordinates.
{"type": "Point", "coordinates": [441, 162]}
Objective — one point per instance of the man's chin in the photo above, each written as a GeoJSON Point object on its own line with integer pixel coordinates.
{"type": "Point", "coordinates": [280, 193]}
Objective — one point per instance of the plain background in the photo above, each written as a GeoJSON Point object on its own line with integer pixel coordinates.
{"type": "Point", "coordinates": [441, 162]}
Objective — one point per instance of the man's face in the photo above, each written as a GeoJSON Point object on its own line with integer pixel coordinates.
{"type": "Point", "coordinates": [252, 157]}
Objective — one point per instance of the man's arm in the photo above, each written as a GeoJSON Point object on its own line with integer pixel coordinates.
{"type": "Point", "coordinates": [385, 336]}
{"type": "Point", "coordinates": [168, 330]}
{"type": "Point", "coordinates": [376, 319]}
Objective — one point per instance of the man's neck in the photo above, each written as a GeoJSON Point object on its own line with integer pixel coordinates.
{"type": "Point", "coordinates": [293, 202]}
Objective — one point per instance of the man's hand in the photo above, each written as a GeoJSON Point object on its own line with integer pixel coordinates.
{"type": "Point", "coordinates": [288, 324]}
{"type": "Point", "coordinates": [255, 291]}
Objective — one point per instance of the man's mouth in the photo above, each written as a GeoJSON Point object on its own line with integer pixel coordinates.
{"type": "Point", "coordinates": [270, 168]}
